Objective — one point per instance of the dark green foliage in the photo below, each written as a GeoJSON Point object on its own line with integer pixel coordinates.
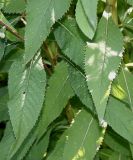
{"type": "Point", "coordinates": [66, 80]}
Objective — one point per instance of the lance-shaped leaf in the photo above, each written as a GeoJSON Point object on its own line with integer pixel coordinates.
{"type": "Point", "coordinates": [102, 59]}
{"type": "Point", "coordinates": [39, 149]}
{"type": "Point", "coordinates": [14, 6]}
{"type": "Point", "coordinates": [41, 15]}
{"type": "Point", "coordinates": [120, 118]}
{"type": "Point", "coordinates": [117, 143]}
{"type": "Point", "coordinates": [26, 95]}
{"type": "Point", "coordinates": [123, 87]}
{"type": "Point", "coordinates": [79, 141]}
{"type": "Point", "coordinates": [6, 142]}
{"type": "Point", "coordinates": [79, 85]}
{"type": "Point", "coordinates": [56, 154]}
{"type": "Point", "coordinates": [73, 44]}
{"type": "Point", "coordinates": [86, 16]}
{"type": "Point", "coordinates": [57, 96]}
{"type": "Point", "coordinates": [21, 149]}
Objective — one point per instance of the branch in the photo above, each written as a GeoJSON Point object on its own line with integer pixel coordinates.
{"type": "Point", "coordinates": [113, 5]}
{"type": "Point", "coordinates": [12, 31]}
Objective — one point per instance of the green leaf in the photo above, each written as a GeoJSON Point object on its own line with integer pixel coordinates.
{"type": "Point", "coordinates": [3, 104]}
{"type": "Point", "coordinates": [56, 154]}
{"type": "Point", "coordinates": [2, 3]}
{"type": "Point", "coordinates": [102, 60]}
{"type": "Point", "coordinates": [82, 136]}
{"type": "Point", "coordinates": [14, 6]}
{"type": "Point", "coordinates": [86, 16]}
{"type": "Point", "coordinates": [2, 48]}
{"type": "Point", "coordinates": [117, 143]}
{"type": "Point", "coordinates": [123, 87]}
{"type": "Point", "coordinates": [26, 95]}
{"type": "Point", "coordinates": [11, 54]}
{"type": "Point", "coordinates": [25, 148]}
{"type": "Point", "coordinates": [120, 118]}
{"type": "Point", "coordinates": [72, 45]}
{"type": "Point", "coordinates": [57, 96]}
{"type": "Point", "coordinates": [105, 153]}
{"type": "Point", "coordinates": [131, 148]}
{"type": "Point", "coordinates": [75, 141]}
{"type": "Point", "coordinates": [6, 23]}
{"type": "Point", "coordinates": [37, 29]}
{"type": "Point", "coordinates": [6, 142]}
{"type": "Point", "coordinates": [121, 9]}
{"type": "Point", "coordinates": [21, 150]}
{"type": "Point", "coordinates": [79, 85]}
{"type": "Point", "coordinates": [117, 156]}
{"type": "Point", "coordinates": [130, 2]}
{"type": "Point", "coordinates": [38, 150]}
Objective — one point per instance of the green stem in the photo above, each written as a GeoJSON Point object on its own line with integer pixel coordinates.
{"type": "Point", "coordinates": [113, 5]}
{"type": "Point", "coordinates": [12, 31]}
{"type": "Point", "coordinates": [69, 113]}
{"type": "Point", "coordinates": [49, 54]}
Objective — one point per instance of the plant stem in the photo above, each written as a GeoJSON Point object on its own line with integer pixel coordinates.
{"type": "Point", "coordinates": [49, 54]}
{"type": "Point", "coordinates": [69, 113]}
{"type": "Point", "coordinates": [113, 5]}
{"type": "Point", "coordinates": [45, 66]}
{"type": "Point", "coordinates": [12, 31]}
